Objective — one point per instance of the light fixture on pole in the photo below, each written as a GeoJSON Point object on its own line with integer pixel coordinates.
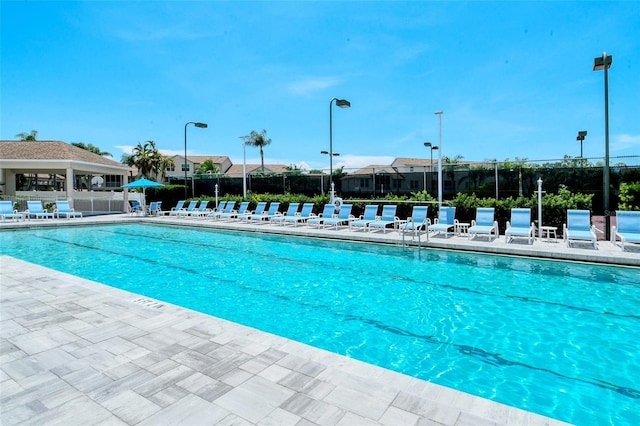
{"type": "Point", "coordinates": [335, 154]}
{"type": "Point", "coordinates": [185, 166]}
{"type": "Point", "coordinates": [604, 63]}
{"type": "Point", "coordinates": [581, 135]}
{"type": "Point", "coordinates": [439, 114]}
{"type": "Point", "coordinates": [431, 148]}
{"type": "Point", "coordinates": [342, 103]}
{"type": "Point", "coordinates": [428, 146]}
{"type": "Point", "coordinates": [244, 167]}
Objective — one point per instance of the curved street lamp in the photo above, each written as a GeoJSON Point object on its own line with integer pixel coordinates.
{"type": "Point", "coordinates": [604, 63]}
{"type": "Point", "coordinates": [185, 166]}
{"type": "Point", "coordinates": [342, 103]}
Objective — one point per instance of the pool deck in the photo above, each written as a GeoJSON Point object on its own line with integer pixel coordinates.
{"type": "Point", "coordinates": [77, 352]}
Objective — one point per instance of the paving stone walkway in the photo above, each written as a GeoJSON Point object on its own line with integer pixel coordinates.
{"type": "Point", "coordinates": [76, 352]}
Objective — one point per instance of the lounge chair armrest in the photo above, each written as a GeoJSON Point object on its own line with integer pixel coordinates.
{"type": "Point", "coordinates": [508, 225]}
{"type": "Point", "coordinates": [473, 222]}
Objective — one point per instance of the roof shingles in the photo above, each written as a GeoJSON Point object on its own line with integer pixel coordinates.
{"type": "Point", "coordinates": [50, 150]}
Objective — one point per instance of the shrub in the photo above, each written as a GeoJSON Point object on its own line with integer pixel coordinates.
{"type": "Point", "coordinates": [629, 196]}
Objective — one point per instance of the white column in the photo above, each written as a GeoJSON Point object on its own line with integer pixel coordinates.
{"type": "Point", "coordinates": [69, 183]}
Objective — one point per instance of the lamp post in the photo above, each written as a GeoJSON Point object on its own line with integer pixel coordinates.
{"type": "Point", "coordinates": [431, 148]}
{"type": "Point", "coordinates": [334, 154]}
{"type": "Point", "coordinates": [342, 103]}
{"type": "Point", "coordinates": [185, 166]}
{"type": "Point", "coordinates": [428, 146]}
{"type": "Point", "coordinates": [244, 167]}
{"type": "Point", "coordinates": [581, 135]}
{"type": "Point", "coordinates": [439, 114]}
{"type": "Point", "coordinates": [604, 63]}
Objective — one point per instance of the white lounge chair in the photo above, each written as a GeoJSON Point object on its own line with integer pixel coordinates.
{"type": "Point", "coordinates": [259, 210]}
{"type": "Point", "coordinates": [445, 221]}
{"type": "Point", "coordinates": [484, 223]}
{"type": "Point", "coordinates": [327, 213]}
{"type": "Point", "coordinates": [579, 228]}
{"type": "Point", "coordinates": [174, 211]}
{"type": "Point", "coordinates": [370, 214]}
{"type": "Point", "coordinates": [388, 218]}
{"type": "Point", "coordinates": [35, 209]}
{"type": "Point", "coordinates": [265, 216]}
{"type": "Point", "coordinates": [416, 222]}
{"type": "Point", "coordinates": [155, 208]}
{"type": "Point", "coordinates": [232, 214]}
{"type": "Point", "coordinates": [292, 210]}
{"type": "Point", "coordinates": [8, 212]}
{"type": "Point", "coordinates": [202, 210]}
{"type": "Point", "coordinates": [185, 211]}
{"type": "Point", "coordinates": [305, 214]}
{"type": "Point", "coordinates": [63, 208]}
{"type": "Point", "coordinates": [627, 228]}
{"type": "Point", "coordinates": [343, 218]}
{"type": "Point", "coordinates": [520, 226]}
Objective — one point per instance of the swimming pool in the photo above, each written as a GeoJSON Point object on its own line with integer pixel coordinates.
{"type": "Point", "coordinates": [560, 339]}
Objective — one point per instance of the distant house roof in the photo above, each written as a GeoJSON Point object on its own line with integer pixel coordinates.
{"type": "Point", "coordinates": [215, 159]}
{"type": "Point", "coordinates": [236, 169]}
{"type": "Point", "coordinates": [369, 170]}
{"type": "Point", "coordinates": [48, 155]}
{"type": "Point", "coordinates": [413, 162]}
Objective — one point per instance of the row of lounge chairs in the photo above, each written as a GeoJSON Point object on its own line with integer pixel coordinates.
{"type": "Point", "coordinates": [578, 228]}
{"type": "Point", "coordinates": [35, 210]}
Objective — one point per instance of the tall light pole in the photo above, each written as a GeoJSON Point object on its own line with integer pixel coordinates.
{"type": "Point", "coordinates": [342, 103]}
{"type": "Point", "coordinates": [581, 135]}
{"type": "Point", "coordinates": [439, 114]}
{"type": "Point", "coordinates": [428, 146]}
{"type": "Point", "coordinates": [431, 148]}
{"type": "Point", "coordinates": [185, 166]}
{"type": "Point", "coordinates": [244, 167]}
{"type": "Point", "coordinates": [334, 154]}
{"type": "Point", "coordinates": [604, 63]}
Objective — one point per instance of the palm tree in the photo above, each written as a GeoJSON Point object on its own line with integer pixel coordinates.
{"type": "Point", "coordinates": [143, 157]}
{"type": "Point", "coordinates": [24, 136]}
{"type": "Point", "coordinates": [162, 164]}
{"type": "Point", "coordinates": [207, 166]}
{"type": "Point", "coordinates": [258, 140]}
{"type": "Point", "coordinates": [148, 160]}
{"type": "Point", "coordinates": [92, 148]}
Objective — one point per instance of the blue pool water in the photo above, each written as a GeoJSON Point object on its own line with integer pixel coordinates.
{"type": "Point", "coordinates": [560, 339]}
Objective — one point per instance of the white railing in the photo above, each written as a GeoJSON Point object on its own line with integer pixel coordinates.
{"type": "Point", "coordinates": [87, 202]}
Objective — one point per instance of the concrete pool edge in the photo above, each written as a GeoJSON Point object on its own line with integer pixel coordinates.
{"type": "Point", "coordinates": [607, 254]}
{"type": "Point", "coordinates": [101, 348]}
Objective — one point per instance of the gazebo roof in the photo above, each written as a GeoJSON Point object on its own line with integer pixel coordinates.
{"type": "Point", "coordinates": [55, 155]}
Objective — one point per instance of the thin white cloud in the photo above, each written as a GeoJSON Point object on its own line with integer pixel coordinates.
{"type": "Point", "coordinates": [625, 141]}
{"type": "Point", "coordinates": [126, 149]}
{"type": "Point", "coordinates": [311, 85]}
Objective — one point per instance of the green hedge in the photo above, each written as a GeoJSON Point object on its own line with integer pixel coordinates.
{"type": "Point", "coordinates": [554, 206]}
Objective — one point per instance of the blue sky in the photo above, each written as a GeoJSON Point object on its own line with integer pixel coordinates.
{"type": "Point", "coordinates": [514, 79]}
